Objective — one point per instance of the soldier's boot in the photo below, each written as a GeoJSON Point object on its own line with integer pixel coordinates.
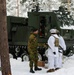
{"type": "Point", "coordinates": [36, 68]}
{"type": "Point", "coordinates": [31, 70]}
{"type": "Point", "coordinates": [57, 68]}
{"type": "Point", "coordinates": [50, 70]}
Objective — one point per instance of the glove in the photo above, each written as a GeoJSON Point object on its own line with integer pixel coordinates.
{"type": "Point", "coordinates": [54, 53]}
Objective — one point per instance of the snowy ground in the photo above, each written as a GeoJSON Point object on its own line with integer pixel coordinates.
{"type": "Point", "coordinates": [22, 68]}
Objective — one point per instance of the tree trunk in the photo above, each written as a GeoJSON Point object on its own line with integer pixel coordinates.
{"type": "Point", "coordinates": [4, 50]}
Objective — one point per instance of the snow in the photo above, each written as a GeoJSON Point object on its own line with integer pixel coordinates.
{"type": "Point", "coordinates": [22, 68]}
{"type": "Point", "coordinates": [68, 27]}
{"type": "Point", "coordinates": [17, 8]}
{"type": "Point", "coordinates": [21, 7]}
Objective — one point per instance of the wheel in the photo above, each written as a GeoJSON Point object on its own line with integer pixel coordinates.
{"type": "Point", "coordinates": [10, 55]}
{"type": "Point", "coordinates": [70, 53]}
{"type": "Point", "coordinates": [17, 49]}
{"type": "Point", "coordinates": [39, 57]}
{"type": "Point", "coordinates": [25, 57]}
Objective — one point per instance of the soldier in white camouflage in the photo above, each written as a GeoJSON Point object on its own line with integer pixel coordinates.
{"type": "Point", "coordinates": [32, 49]}
{"type": "Point", "coordinates": [53, 54]}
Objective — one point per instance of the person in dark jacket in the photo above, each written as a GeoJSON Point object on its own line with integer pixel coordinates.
{"type": "Point", "coordinates": [32, 49]}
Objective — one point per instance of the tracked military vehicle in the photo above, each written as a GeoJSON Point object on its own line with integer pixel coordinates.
{"type": "Point", "coordinates": [19, 29]}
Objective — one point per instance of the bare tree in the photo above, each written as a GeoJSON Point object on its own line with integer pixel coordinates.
{"type": "Point", "coordinates": [4, 50]}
